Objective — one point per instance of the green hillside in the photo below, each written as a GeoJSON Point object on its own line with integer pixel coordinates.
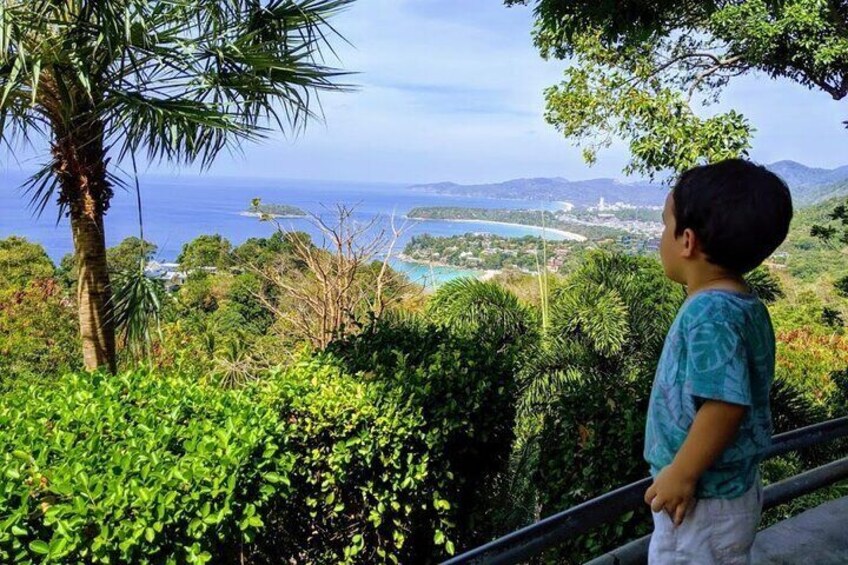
{"type": "Point", "coordinates": [807, 257]}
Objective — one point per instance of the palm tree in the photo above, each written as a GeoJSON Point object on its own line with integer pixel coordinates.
{"type": "Point", "coordinates": [487, 308]}
{"type": "Point", "coordinates": [179, 80]}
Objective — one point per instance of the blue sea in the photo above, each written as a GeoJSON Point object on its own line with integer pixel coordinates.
{"type": "Point", "coordinates": [177, 209]}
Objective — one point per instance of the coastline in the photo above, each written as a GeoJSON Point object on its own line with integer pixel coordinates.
{"type": "Point", "coordinates": [570, 236]}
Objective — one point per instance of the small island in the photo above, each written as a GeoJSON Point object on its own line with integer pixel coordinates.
{"type": "Point", "coordinates": [258, 209]}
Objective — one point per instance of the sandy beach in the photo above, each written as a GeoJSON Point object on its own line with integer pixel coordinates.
{"type": "Point", "coordinates": [566, 234]}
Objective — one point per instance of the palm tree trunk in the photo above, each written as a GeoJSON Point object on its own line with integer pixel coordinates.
{"type": "Point", "coordinates": [94, 293]}
{"type": "Point", "coordinates": [80, 165]}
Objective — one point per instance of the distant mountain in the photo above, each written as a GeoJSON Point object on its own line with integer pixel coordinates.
{"type": "Point", "coordinates": [809, 185]}
{"type": "Point", "coordinates": [580, 193]}
{"type": "Point", "coordinates": [797, 175]}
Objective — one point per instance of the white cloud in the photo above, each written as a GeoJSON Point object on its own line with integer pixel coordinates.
{"type": "Point", "coordinates": [446, 92]}
{"type": "Point", "coordinates": [452, 90]}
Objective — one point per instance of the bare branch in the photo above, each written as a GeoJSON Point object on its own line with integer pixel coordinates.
{"type": "Point", "coordinates": [703, 75]}
{"type": "Point", "coordinates": [337, 288]}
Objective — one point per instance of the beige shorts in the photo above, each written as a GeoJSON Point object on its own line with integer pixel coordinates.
{"type": "Point", "coordinates": [715, 532]}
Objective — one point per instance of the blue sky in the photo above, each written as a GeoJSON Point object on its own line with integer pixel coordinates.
{"type": "Point", "coordinates": [452, 90]}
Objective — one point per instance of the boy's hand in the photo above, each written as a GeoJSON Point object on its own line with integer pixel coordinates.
{"type": "Point", "coordinates": [713, 429]}
{"type": "Point", "coordinates": [673, 492]}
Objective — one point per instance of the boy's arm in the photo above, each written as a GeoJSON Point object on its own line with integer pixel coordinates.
{"type": "Point", "coordinates": [713, 429]}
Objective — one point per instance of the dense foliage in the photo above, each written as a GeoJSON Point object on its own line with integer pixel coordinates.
{"type": "Point", "coordinates": [313, 464]}
{"type": "Point", "coordinates": [38, 331]}
{"type": "Point", "coordinates": [206, 251]}
{"type": "Point", "coordinates": [21, 262]}
{"type": "Point", "coordinates": [591, 385]}
{"type": "Point", "coordinates": [464, 385]}
{"type": "Point", "coordinates": [38, 325]}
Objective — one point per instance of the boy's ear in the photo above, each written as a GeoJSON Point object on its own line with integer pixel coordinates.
{"type": "Point", "coordinates": [690, 243]}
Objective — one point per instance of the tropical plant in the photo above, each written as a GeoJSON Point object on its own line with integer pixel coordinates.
{"type": "Point", "coordinates": [584, 390]}
{"type": "Point", "coordinates": [611, 315]}
{"type": "Point", "coordinates": [463, 383]}
{"type": "Point", "coordinates": [180, 81]}
{"type": "Point", "coordinates": [486, 308]}
{"type": "Point", "coordinates": [607, 324]}
{"type": "Point", "coordinates": [764, 284]}
{"type": "Point", "coordinates": [234, 365]}
{"type": "Point", "coordinates": [137, 307]}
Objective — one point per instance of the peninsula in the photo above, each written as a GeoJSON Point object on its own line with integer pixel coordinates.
{"type": "Point", "coordinates": [554, 222]}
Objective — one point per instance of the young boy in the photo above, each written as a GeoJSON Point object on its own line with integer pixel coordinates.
{"type": "Point", "coordinates": [709, 421]}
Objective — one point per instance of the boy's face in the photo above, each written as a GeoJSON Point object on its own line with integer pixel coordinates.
{"type": "Point", "coordinates": [673, 249]}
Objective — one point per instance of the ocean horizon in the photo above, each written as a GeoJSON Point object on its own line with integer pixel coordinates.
{"type": "Point", "coordinates": [178, 209]}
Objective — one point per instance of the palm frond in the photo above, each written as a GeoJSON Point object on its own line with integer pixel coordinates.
{"type": "Point", "coordinates": [764, 284]}
{"type": "Point", "coordinates": [41, 187]}
{"type": "Point", "coordinates": [234, 364]}
{"type": "Point", "coordinates": [484, 306]}
{"type": "Point", "coordinates": [137, 309]}
{"type": "Point", "coordinates": [218, 75]}
{"type": "Point", "coordinates": [175, 130]}
{"type": "Point", "coordinates": [182, 80]}
{"type": "Point", "coordinates": [594, 313]}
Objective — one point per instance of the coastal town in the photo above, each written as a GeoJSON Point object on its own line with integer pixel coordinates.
{"type": "Point", "coordinates": [634, 229]}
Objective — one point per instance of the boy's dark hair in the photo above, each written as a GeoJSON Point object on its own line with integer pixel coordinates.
{"type": "Point", "coordinates": [739, 211]}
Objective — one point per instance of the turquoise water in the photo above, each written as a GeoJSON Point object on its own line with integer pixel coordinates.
{"type": "Point", "coordinates": [178, 209]}
{"type": "Point", "coordinates": [431, 276]}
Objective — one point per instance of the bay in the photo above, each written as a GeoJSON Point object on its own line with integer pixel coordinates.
{"type": "Point", "coordinates": [177, 209]}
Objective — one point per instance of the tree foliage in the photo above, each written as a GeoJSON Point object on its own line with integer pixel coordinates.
{"type": "Point", "coordinates": [464, 384]}
{"type": "Point", "coordinates": [487, 309]}
{"type": "Point", "coordinates": [21, 262]}
{"type": "Point", "coordinates": [206, 251]}
{"type": "Point", "coordinates": [180, 81]}
{"type": "Point", "coordinates": [38, 331]}
{"type": "Point", "coordinates": [640, 67]}
{"type": "Point", "coordinates": [39, 336]}
{"type": "Point", "coordinates": [129, 254]}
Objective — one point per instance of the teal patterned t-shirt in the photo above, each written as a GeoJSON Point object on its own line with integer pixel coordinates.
{"type": "Point", "coordinates": [720, 347]}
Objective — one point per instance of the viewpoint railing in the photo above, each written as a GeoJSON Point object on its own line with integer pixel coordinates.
{"type": "Point", "coordinates": [523, 544]}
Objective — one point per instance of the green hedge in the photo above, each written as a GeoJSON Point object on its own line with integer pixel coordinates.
{"type": "Point", "coordinates": [312, 465]}
{"type": "Point", "coordinates": [463, 384]}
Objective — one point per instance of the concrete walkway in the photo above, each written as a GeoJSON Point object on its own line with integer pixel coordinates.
{"type": "Point", "coordinates": [818, 536]}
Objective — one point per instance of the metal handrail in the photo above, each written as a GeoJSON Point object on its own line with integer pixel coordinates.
{"type": "Point", "coordinates": [773, 495]}
{"type": "Point", "coordinates": [531, 540]}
